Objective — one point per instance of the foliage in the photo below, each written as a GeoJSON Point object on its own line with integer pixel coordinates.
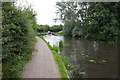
{"type": "Point", "coordinates": [66, 11]}
{"type": "Point", "coordinates": [103, 21]}
{"type": "Point", "coordinates": [98, 20]}
{"type": "Point", "coordinates": [61, 65]}
{"type": "Point", "coordinates": [56, 28]}
{"type": "Point", "coordinates": [45, 28]}
{"type": "Point", "coordinates": [78, 32]}
{"type": "Point", "coordinates": [65, 60]}
{"type": "Point", "coordinates": [61, 44]}
{"type": "Point", "coordinates": [18, 38]}
{"type": "Point", "coordinates": [55, 48]}
{"type": "Point", "coordinates": [68, 27]}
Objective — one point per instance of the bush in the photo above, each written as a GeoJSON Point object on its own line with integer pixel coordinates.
{"type": "Point", "coordinates": [18, 38]}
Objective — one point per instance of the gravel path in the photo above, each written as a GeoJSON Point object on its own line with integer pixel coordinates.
{"type": "Point", "coordinates": [42, 64]}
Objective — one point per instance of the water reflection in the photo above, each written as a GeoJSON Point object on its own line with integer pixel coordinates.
{"type": "Point", "coordinates": [95, 46]}
{"type": "Point", "coordinates": [80, 51]}
{"type": "Point", "coordinates": [53, 40]}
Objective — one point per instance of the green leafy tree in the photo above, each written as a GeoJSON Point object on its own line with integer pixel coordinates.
{"type": "Point", "coordinates": [56, 28]}
{"type": "Point", "coordinates": [43, 28]}
{"type": "Point", "coordinates": [102, 22]}
{"type": "Point", "coordinates": [68, 27]}
{"type": "Point", "coordinates": [98, 20]}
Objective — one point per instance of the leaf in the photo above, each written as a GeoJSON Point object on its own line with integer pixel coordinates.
{"type": "Point", "coordinates": [103, 61]}
{"type": "Point", "coordinates": [92, 61]}
{"type": "Point", "coordinates": [86, 55]}
{"type": "Point", "coordinates": [82, 54]}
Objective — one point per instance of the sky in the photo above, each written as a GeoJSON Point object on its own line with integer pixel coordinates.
{"type": "Point", "coordinates": [45, 10]}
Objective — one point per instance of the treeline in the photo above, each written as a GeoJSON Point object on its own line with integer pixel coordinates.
{"type": "Point", "coordinates": [18, 38]}
{"type": "Point", "coordinates": [90, 20]}
{"type": "Point", "coordinates": [45, 28]}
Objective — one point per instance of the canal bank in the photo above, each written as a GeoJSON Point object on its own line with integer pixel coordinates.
{"type": "Point", "coordinates": [58, 59]}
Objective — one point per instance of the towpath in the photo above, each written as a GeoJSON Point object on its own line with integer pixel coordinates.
{"type": "Point", "coordinates": [42, 64]}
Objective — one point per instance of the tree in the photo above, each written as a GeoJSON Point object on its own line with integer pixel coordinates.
{"type": "Point", "coordinates": [102, 22]}
{"type": "Point", "coordinates": [56, 28]}
{"type": "Point", "coordinates": [98, 20]}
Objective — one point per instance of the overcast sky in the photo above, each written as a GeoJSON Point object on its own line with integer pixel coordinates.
{"type": "Point", "coordinates": [45, 10]}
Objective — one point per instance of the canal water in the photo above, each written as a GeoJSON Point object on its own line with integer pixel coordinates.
{"type": "Point", "coordinates": [97, 59]}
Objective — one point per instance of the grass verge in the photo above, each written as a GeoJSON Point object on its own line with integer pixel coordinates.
{"type": "Point", "coordinates": [58, 60]}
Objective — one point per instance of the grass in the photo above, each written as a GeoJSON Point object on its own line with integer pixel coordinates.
{"type": "Point", "coordinates": [60, 32]}
{"type": "Point", "coordinates": [61, 44]}
{"type": "Point", "coordinates": [59, 61]}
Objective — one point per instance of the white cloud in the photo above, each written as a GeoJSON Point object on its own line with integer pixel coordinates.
{"type": "Point", "coordinates": [45, 10]}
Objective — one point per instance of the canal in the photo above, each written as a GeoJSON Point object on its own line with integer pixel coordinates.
{"type": "Point", "coordinates": [97, 59]}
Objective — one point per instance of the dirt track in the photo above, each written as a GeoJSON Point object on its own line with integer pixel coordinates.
{"type": "Point", "coordinates": [42, 64]}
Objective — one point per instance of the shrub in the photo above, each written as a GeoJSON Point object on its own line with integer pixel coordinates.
{"type": "Point", "coordinates": [18, 38]}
